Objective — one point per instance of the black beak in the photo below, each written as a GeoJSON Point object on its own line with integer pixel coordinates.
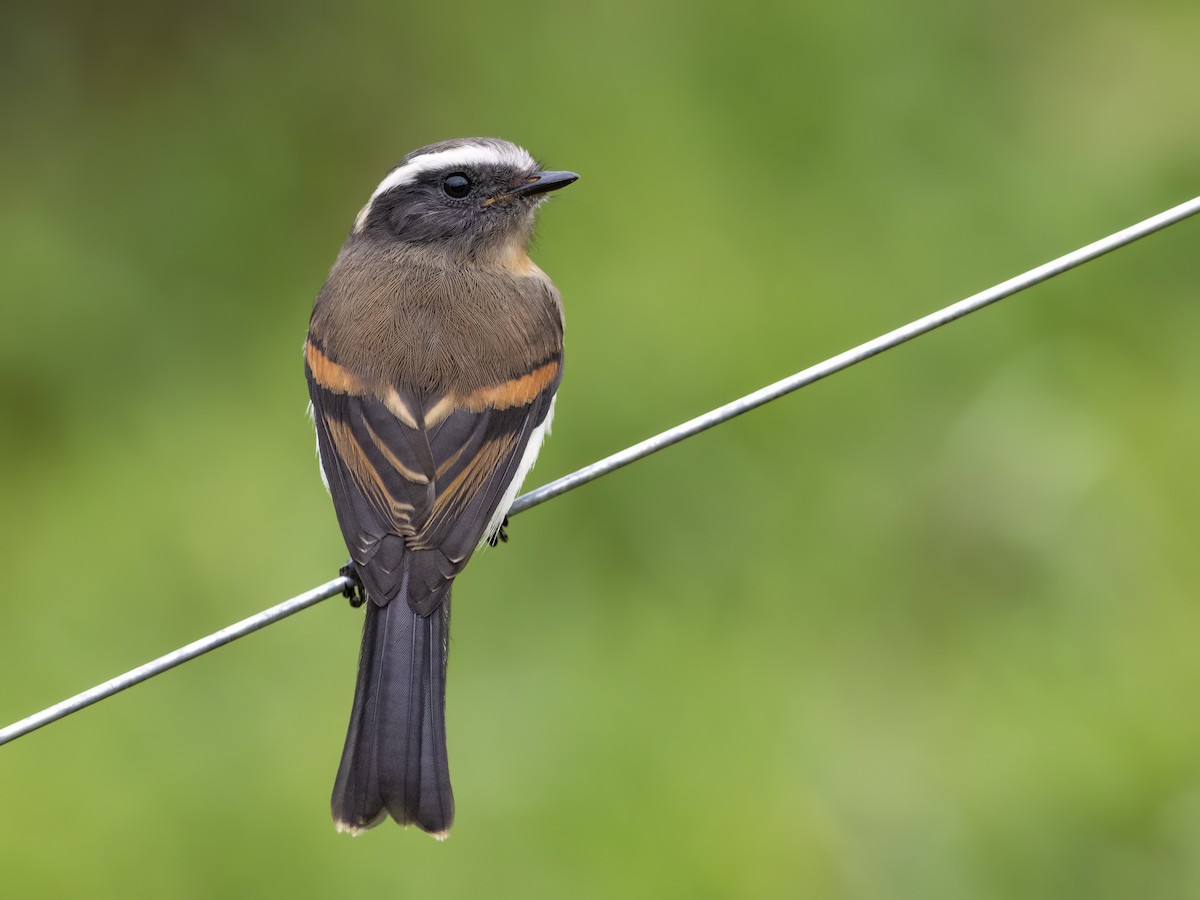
{"type": "Point", "coordinates": [544, 182]}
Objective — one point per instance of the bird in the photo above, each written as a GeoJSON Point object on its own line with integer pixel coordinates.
{"type": "Point", "coordinates": [433, 357]}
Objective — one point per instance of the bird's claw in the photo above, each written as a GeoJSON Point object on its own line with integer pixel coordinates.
{"type": "Point", "coordinates": [354, 592]}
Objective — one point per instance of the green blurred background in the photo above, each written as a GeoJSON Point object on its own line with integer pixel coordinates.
{"type": "Point", "coordinates": [925, 630]}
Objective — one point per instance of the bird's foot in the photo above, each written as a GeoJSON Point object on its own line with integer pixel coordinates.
{"type": "Point", "coordinates": [355, 592]}
{"type": "Point", "coordinates": [500, 535]}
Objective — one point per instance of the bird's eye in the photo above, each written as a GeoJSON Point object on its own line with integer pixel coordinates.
{"type": "Point", "coordinates": [457, 185]}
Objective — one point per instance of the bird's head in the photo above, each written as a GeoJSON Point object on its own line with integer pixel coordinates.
{"type": "Point", "coordinates": [468, 197]}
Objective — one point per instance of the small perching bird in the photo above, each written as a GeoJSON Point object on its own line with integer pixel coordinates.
{"type": "Point", "coordinates": [433, 357]}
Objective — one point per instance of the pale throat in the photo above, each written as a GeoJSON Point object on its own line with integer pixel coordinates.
{"type": "Point", "coordinates": [513, 257]}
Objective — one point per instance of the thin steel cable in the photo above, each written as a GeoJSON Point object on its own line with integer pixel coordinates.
{"type": "Point", "coordinates": [174, 658]}
{"type": "Point", "coordinates": [625, 457]}
{"type": "Point", "coordinates": [856, 355]}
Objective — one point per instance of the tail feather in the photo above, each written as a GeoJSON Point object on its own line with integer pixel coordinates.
{"type": "Point", "coordinates": [395, 760]}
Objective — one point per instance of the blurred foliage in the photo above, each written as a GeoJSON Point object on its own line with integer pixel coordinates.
{"type": "Point", "coordinates": [924, 630]}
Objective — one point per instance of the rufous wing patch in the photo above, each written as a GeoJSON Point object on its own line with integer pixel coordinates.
{"type": "Point", "coordinates": [514, 392]}
{"type": "Point", "coordinates": [333, 377]}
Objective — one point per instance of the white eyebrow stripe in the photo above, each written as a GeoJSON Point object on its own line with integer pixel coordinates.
{"type": "Point", "coordinates": [466, 156]}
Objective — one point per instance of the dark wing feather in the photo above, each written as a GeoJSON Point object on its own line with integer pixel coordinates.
{"type": "Point", "coordinates": [470, 490]}
{"type": "Point", "coordinates": [401, 490]}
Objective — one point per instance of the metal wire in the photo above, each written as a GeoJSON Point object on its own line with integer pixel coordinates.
{"type": "Point", "coordinates": [631, 454]}
{"type": "Point", "coordinates": [174, 658]}
{"type": "Point", "coordinates": [856, 355]}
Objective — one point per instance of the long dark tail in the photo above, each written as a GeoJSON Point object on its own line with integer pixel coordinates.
{"type": "Point", "coordinates": [395, 758]}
